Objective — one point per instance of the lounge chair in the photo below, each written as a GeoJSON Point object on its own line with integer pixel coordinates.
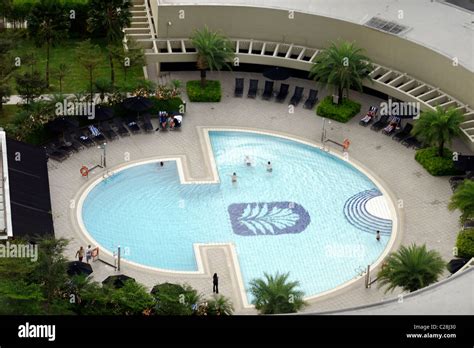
{"type": "Point", "coordinates": [147, 125]}
{"type": "Point", "coordinates": [468, 224]}
{"type": "Point", "coordinates": [55, 153]}
{"type": "Point", "coordinates": [253, 87]}
{"type": "Point", "coordinates": [297, 96]}
{"type": "Point", "coordinates": [133, 125]}
{"type": "Point", "coordinates": [108, 131]}
{"type": "Point", "coordinates": [69, 139]}
{"type": "Point", "coordinates": [455, 181]}
{"type": "Point", "coordinates": [96, 134]}
{"type": "Point", "coordinates": [62, 146]}
{"type": "Point", "coordinates": [392, 126]}
{"type": "Point", "coordinates": [403, 134]}
{"type": "Point", "coordinates": [239, 87]}
{"type": "Point", "coordinates": [268, 91]}
{"type": "Point", "coordinates": [412, 142]}
{"type": "Point", "coordinates": [380, 124]}
{"type": "Point", "coordinates": [122, 131]}
{"type": "Point", "coordinates": [283, 93]}
{"type": "Point", "coordinates": [369, 117]}
{"type": "Point", "coordinates": [83, 139]}
{"type": "Point", "coordinates": [312, 99]}
{"type": "Point", "coordinates": [178, 120]}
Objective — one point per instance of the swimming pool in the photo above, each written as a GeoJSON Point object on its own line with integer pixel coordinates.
{"type": "Point", "coordinates": [314, 215]}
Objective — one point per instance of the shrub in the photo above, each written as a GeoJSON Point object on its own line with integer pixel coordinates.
{"type": "Point", "coordinates": [169, 105]}
{"type": "Point", "coordinates": [435, 165]}
{"type": "Point", "coordinates": [465, 243]}
{"type": "Point", "coordinates": [341, 113]}
{"type": "Point", "coordinates": [211, 93]}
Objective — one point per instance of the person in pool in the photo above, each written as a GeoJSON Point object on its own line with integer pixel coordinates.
{"type": "Point", "coordinates": [247, 161]}
{"type": "Point", "coordinates": [269, 167]}
{"type": "Point", "coordinates": [234, 178]}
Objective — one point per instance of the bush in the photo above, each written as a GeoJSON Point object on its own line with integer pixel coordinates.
{"type": "Point", "coordinates": [169, 105]}
{"type": "Point", "coordinates": [211, 93]}
{"type": "Point", "coordinates": [435, 165]}
{"type": "Point", "coordinates": [341, 113]}
{"type": "Point", "coordinates": [465, 243]}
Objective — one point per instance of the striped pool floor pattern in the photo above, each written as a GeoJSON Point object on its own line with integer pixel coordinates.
{"type": "Point", "coordinates": [358, 214]}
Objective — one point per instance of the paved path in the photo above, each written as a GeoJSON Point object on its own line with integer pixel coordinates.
{"type": "Point", "coordinates": [425, 216]}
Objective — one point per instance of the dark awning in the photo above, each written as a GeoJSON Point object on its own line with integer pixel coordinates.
{"type": "Point", "coordinates": [29, 190]}
{"type": "Point", "coordinates": [464, 163]}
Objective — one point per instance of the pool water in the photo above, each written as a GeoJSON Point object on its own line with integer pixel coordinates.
{"type": "Point", "coordinates": [290, 220]}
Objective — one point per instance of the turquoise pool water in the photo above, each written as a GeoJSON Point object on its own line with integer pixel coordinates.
{"type": "Point", "coordinates": [289, 220]}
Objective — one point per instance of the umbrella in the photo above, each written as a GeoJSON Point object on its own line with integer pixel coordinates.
{"type": "Point", "coordinates": [456, 264]}
{"type": "Point", "coordinates": [78, 268]}
{"type": "Point", "coordinates": [117, 281]}
{"type": "Point", "coordinates": [276, 74]}
{"type": "Point", "coordinates": [62, 124]}
{"type": "Point", "coordinates": [138, 104]}
{"type": "Point", "coordinates": [103, 113]}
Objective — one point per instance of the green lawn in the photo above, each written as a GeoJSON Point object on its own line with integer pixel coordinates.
{"type": "Point", "coordinates": [77, 78]}
{"type": "Point", "coordinates": [7, 114]}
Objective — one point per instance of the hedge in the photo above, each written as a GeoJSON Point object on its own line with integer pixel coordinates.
{"type": "Point", "coordinates": [211, 93]}
{"type": "Point", "coordinates": [339, 112]}
{"type": "Point", "coordinates": [465, 243]}
{"type": "Point", "coordinates": [435, 165]}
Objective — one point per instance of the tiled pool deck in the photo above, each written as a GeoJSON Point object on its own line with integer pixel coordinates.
{"type": "Point", "coordinates": [424, 216]}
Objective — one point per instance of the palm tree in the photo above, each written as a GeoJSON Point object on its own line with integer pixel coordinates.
{"type": "Point", "coordinates": [109, 17]}
{"type": "Point", "coordinates": [214, 51]}
{"type": "Point", "coordinates": [103, 86]}
{"type": "Point", "coordinates": [220, 305]}
{"type": "Point", "coordinates": [411, 268]}
{"type": "Point", "coordinates": [438, 127]}
{"type": "Point", "coordinates": [463, 199]}
{"type": "Point", "coordinates": [47, 24]}
{"type": "Point", "coordinates": [275, 294]}
{"type": "Point", "coordinates": [87, 56]}
{"type": "Point", "coordinates": [61, 72]}
{"type": "Point", "coordinates": [342, 65]}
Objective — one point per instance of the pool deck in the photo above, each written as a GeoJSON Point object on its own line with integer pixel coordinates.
{"type": "Point", "coordinates": [424, 218]}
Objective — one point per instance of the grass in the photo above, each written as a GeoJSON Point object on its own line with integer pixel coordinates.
{"type": "Point", "coordinates": [77, 78]}
{"type": "Point", "coordinates": [210, 93]}
{"type": "Point", "coordinates": [7, 114]}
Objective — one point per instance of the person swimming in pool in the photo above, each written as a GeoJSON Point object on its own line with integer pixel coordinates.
{"type": "Point", "coordinates": [248, 161]}
{"type": "Point", "coordinates": [234, 178]}
{"type": "Point", "coordinates": [269, 167]}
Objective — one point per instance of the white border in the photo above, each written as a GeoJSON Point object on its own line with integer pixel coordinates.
{"type": "Point", "coordinates": [6, 187]}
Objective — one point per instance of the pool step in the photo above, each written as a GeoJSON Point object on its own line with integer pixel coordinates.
{"type": "Point", "coordinates": [355, 211]}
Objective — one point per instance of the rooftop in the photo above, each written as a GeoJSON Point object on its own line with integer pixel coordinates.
{"type": "Point", "coordinates": [441, 27]}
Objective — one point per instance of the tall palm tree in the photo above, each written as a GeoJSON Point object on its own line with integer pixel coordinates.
{"type": "Point", "coordinates": [61, 72]}
{"type": "Point", "coordinates": [463, 199]}
{"type": "Point", "coordinates": [86, 53]}
{"type": "Point", "coordinates": [343, 66]}
{"type": "Point", "coordinates": [220, 305]}
{"type": "Point", "coordinates": [109, 17]}
{"type": "Point", "coordinates": [275, 294]}
{"type": "Point", "coordinates": [411, 268]}
{"type": "Point", "coordinates": [47, 24]}
{"type": "Point", "coordinates": [214, 51]}
{"type": "Point", "coordinates": [438, 127]}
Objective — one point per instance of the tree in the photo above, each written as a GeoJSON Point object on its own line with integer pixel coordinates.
{"type": "Point", "coordinates": [411, 268]}
{"type": "Point", "coordinates": [133, 57]}
{"type": "Point", "coordinates": [438, 127]}
{"type": "Point", "coordinates": [219, 305]}
{"type": "Point", "coordinates": [214, 51]}
{"type": "Point", "coordinates": [343, 66]}
{"type": "Point", "coordinates": [30, 86]}
{"type": "Point", "coordinates": [103, 86]}
{"type": "Point", "coordinates": [131, 299]}
{"type": "Point", "coordinates": [6, 70]}
{"type": "Point", "coordinates": [87, 55]}
{"type": "Point", "coordinates": [463, 199]}
{"type": "Point", "coordinates": [175, 299]}
{"type": "Point", "coordinates": [109, 17]}
{"type": "Point", "coordinates": [47, 24]}
{"type": "Point", "coordinates": [60, 73]}
{"type": "Point", "coordinates": [275, 294]}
